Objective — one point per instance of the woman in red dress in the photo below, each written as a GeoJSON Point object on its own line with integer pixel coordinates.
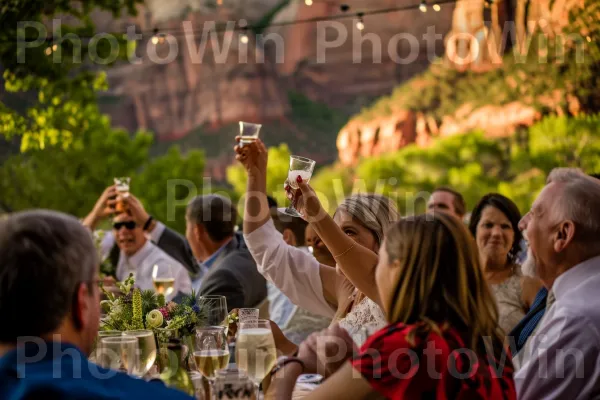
{"type": "Point", "coordinates": [443, 339]}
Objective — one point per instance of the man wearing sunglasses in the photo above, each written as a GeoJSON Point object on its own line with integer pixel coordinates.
{"type": "Point", "coordinates": [139, 256]}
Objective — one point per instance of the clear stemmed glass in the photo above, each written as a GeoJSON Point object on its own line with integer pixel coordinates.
{"type": "Point", "coordinates": [299, 166]}
{"type": "Point", "coordinates": [163, 279]}
{"type": "Point", "coordinates": [248, 132]}
{"type": "Point", "coordinates": [255, 350]}
{"type": "Point", "coordinates": [101, 334]}
{"type": "Point", "coordinates": [216, 307]}
{"type": "Point", "coordinates": [146, 348]}
{"type": "Point", "coordinates": [211, 352]}
{"type": "Point", "coordinates": [119, 353]}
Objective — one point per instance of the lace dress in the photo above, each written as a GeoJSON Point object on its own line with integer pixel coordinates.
{"type": "Point", "coordinates": [366, 314]}
{"type": "Point", "coordinates": [509, 298]}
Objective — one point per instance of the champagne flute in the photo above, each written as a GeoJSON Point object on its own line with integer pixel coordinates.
{"type": "Point", "coordinates": [255, 350]}
{"type": "Point", "coordinates": [211, 352]}
{"type": "Point", "coordinates": [299, 166]}
{"type": "Point", "coordinates": [119, 353]}
{"type": "Point", "coordinates": [248, 132]}
{"type": "Point", "coordinates": [217, 313]}
{"type": "Point", "coordinates": [146, 350]}
{"type": "Point", "coordinates": [163, 279]}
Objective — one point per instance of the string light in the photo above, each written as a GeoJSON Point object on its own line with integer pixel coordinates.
{"type": "Point", "coordinates": [436, 7]}
{"type": "Point", "coordinates": [360, 24]}
{"type": "Point", "coordinates": [589, 39]}
{"type": "Point", "coordinates": [308, 2]}
{"type": "Point", "coordinates": [219, 2]}
{"type": "Point", "coordinates": [488, 3]}
{"type": "Point", "coordinates": [158, 38]}
{"type": "Point", "coordinates": [423, 6]}
{"type": "Point", "coordinates": [244, 36]}
{"type": "Point", "coordinates": [48, 51]}
{"type": "Point", "coordinates": [179, 32]}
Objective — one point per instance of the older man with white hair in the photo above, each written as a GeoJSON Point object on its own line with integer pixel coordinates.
{"type": "Point", "coordinates": [563, 228]}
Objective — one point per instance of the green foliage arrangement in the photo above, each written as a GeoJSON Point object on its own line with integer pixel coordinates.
{"type": "Point", "coordinates": [136, 309]}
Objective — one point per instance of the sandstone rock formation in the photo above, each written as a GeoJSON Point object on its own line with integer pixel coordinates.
{"type": "Point", "coordinates": [475, 26]}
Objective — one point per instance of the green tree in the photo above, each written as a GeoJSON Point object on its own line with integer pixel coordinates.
{"type": "Point", "coordinates": [277, 172]}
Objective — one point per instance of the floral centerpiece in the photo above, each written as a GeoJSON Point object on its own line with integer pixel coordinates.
{"type": "Point", "coordinates": [133, 308]}
{"type": "Point", "coordinates": [144, 309]}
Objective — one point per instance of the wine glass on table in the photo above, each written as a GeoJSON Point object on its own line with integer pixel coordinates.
{"type": "Point", "coordinates": [163, 279]}
{"type": "Point", "coordinates": [255, 350]}
{"type": "Point", "coordinates": [101, 334]}
{"type": "Point", "coordinates": [299, 166]}
{"type": "Point", "coordinates": [216, 310]}
{"type": "Point", "coordinates": [211, 352]}
{"type": "Point", "coordinates": [119, 353]}
{"type": "Point", "coordinates": [146, 350]}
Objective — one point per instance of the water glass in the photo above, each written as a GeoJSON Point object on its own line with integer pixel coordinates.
{"type": "Point", "coordinates": [248, 315]}
{"type": "Point", "coordinates": [101, 334]}
{"type": "Point", "coordinates": [233, 384]}
{"type": "Point", "coordinates": [299, 166]}
{"type": "Point", "coordinates": [119, 353]}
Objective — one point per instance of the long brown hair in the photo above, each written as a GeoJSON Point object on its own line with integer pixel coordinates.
{"type": "Point", "coordinates": [440, 280]}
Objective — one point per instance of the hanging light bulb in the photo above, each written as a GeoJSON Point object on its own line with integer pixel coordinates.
{"type": "Point", "coordinates": [360, 24]}
{"type": "Point", "coordinates": [48, 51]}
{"type": "Point", "coordinates": [436, 7]}
{"type": "Point", "coordinates": [158, 38]}
{"type": "Point", "coordinates": [219, 2]}
{"type": "Point", "coordinates": [244, 36]}
{"type": "Point", "coordinates": [308, 2]}
{"type": "Point", "coordinates": [488, 3]}
{"type": "Point", "coordinates": [423, 6]}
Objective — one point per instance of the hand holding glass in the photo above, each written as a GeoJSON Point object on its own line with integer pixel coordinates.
{"type": "Point", "coordinates": [299, 166]}
{"type": "Point", "coordinates": [248, 132]}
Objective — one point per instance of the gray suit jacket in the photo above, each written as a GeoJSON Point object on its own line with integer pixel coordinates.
{"type": "Point", "coordinates": [234, 275]}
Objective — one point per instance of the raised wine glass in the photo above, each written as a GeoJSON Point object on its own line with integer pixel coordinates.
{"type": "Point", "coordinates": [122, 184]}
{"type": "Point", "coordinates": [248, 132]}
{"type": "Point", "coordinates": [211, 352]}
{"type": "Point", "coordinates": [255, 350]}
{"type": "Point", "coordinates": [146, 348]}
{"type": "Point", "coordinates": [299, 166]}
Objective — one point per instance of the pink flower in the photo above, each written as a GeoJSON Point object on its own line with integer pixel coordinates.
{"type": "Point", "coordinates": [164, 312]}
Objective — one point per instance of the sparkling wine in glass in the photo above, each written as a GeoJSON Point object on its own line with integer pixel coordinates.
{"type": "Point", "coordinates": [248, 132]}
{"type": "Point", "coordinates": [163, 279]}
{"type": "Point", "coordinates": [217, 312]}
{"type": "Point", "coordinates": [255, 351]}
{"type": "Point", "coordinates": [119, 353]}
{"type": "Point", "coordinates": [122, 185]}
{"type": "Point", "coordinates": [211, 352]}
{"type": "Point", "coordinates": [147, 350]}
{"type": "Point", "coordinates": [299, 166]}
{"type": "Point", "coordinates": [248, 315]}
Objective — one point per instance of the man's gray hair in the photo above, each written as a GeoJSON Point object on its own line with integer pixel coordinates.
{"type": "Point", "coordinates": [44, 257]}
{"type": "Point", "coordinates": [579, 201]}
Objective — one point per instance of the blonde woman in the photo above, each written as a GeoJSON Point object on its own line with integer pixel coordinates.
{"type": "Point", "coordinates": [360, 220]}
{"type": "Point", "coordinates": [442, 340]}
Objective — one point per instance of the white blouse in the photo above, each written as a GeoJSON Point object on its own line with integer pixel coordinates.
{"type": "Point", "coordinates": [291, 270]}
{"type": "Point", "coordinates": [296, 274]}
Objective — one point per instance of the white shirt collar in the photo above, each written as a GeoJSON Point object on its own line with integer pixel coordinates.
{"type": "Point", "coordinates": [572, 278]}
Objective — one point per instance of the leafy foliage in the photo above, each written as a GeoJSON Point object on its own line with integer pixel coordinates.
{"type": "Point", "coordinates": [277, 172]}
{"type": "Point", "coordinates": [472, 164]}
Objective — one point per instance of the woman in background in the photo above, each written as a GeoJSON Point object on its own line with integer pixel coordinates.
{"type": "Point", "coordinates": [495, 225]}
